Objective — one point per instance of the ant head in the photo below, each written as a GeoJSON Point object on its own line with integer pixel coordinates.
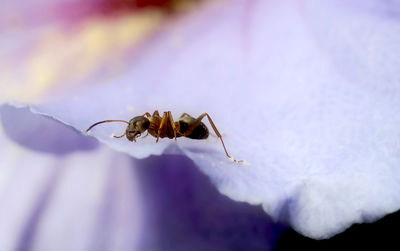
{"type": "Point", "coordinates": [136, 126]}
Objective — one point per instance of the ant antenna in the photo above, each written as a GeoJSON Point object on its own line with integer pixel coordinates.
{"type": "Point", "coordinates": [105, 121]}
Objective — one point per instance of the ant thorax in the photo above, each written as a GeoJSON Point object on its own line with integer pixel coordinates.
{"type": "Point", "coordinates": [155, 122]}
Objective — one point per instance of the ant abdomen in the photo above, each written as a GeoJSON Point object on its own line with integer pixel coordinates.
{"type": "Point", "coordinates": [199, 132]}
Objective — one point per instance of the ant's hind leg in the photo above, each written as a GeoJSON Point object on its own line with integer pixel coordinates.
{"type": "Point", "coordinates": [172, 123]}
{"type": "Point", "coordinates": [185, 115]}
{"type": "Point", "coordinates": [162, 127]}
{"type": "Point", "coordinates": [216, 132]}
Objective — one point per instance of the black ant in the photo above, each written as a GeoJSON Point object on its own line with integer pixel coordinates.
{"type": "Point", "coordinates": [161, 127]}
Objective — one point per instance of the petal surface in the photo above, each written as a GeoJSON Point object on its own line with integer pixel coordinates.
{"type": "Point", "coordinates": [98, 199]}
{"type": "Point", "coordinates": [81, 200]}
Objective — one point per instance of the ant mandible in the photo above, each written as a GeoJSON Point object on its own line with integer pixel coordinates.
{"type": "Point", "coordinates": [161, 127]}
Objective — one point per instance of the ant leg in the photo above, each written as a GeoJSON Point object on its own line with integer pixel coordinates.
{"type": "Point", "coordinates": [178, 128]}
{"type": "Point", "coordinates": [216, 132]}
{"type": "Point", "coordinates": [184, 114]}
{"type": "Point", "coordinates": [156, 114]}
{"type": "Point", "coordinates": [163, 125]}
{"type": "Point", "coordinates": [146, 114]}
{"type": "Point", "coordinates": [171, 121]}
{"type": "Point", "coordinates": [119, 136]}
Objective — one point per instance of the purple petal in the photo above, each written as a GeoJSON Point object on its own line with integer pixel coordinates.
{"type": "Point", "coordinates": [76, 201]}
{"type": "Point", "coordinates": [186, 211]}
{"type": "Point", "coordinates": [41, 134]}
{"type": "Point", "coordinates": [102, 200]}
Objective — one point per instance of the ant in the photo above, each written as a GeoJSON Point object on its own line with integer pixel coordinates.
{"type": "Point", "coordinates": [161, 127]}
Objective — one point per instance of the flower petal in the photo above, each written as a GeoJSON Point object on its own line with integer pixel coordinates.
{"type": "Point", "coordinates": [74, 201]}
{"type": "Point", "coordinates": [101, 200]}
{"type": "Point", "coordinates": [293, 92]}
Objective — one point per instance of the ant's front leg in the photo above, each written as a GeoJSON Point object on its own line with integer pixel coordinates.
{"type": "Point", "coordinates": [118, 137]}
